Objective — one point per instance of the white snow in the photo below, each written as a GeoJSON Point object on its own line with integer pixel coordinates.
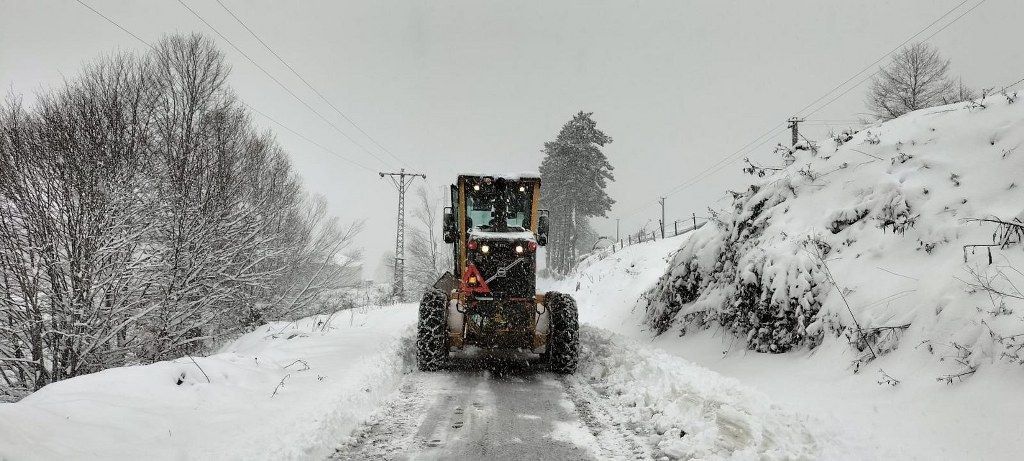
{"type": "Point", "coordinates": [511, 176]}
{"type": "Point", "coordinates": [702, 393]}
{"type": "Point", "coordinates": [504, 236]}
{"type": "Point", "coordinates": [894, 205]}
{"type": "Point", "coordinates": [889, 279]}
{"type": "Point", "coordinates": [354, 361]}
{"type": "Point", "coordinates": [695, 413]}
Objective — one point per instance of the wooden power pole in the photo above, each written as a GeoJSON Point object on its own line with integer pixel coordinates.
{"type": "Point", "coordinates": [794, 126]}
{"type": "Point", "coordinates": [662, 222]}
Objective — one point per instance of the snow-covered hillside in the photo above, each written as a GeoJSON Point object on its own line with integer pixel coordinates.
{"type": "Point", "coordinates": [284, 391]}
{"type": "Point", "coordinates": [868, 237]}
{"type": "Point", "coordinates": [920, 418]}
{"type": "Point", "coordinates": [887, 212]}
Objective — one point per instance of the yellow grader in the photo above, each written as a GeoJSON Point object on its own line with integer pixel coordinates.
{"type": "Point", "coordinates": [489, 300]}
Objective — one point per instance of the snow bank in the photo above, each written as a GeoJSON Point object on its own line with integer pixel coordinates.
{"type": "Point", "coordinates": [885, 216]}
{"type": "Point", "coordinates": [285, 391]}
{"type": "Point", "coordinates": [893, 228]}
{"type": "Point", "coordinates": [920, 418]}
{"type": "Point", "coordinates": [606, 286]}
{"type": "Point", "coordinates": [694, 413]}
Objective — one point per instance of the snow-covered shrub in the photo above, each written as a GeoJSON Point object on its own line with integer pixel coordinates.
{"type": "Point", "coordinates": [842, 137]}
{"type": "Point", "coordinates": [776, 299]}
{"type": "Point", "coordinates": [896, 214]}
{"type": "Point", "coordinates": [869, 245]}
{"type": "Point", "coordinates": [730, 276]}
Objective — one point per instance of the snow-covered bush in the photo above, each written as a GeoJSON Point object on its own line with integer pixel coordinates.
{"type": "Point", "coordinates": [889, 240]}
{"type": "Point", "coordinates": [768, 292]}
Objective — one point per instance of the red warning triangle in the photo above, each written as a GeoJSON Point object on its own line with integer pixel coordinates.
{"type": "Point", "coordinates": [473, 282]}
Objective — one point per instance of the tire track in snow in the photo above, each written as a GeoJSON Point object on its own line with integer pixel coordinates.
{"type": "Point", "coordinates": [504, 409]}
{"type": "Point", "coordinates": [616, 439]}
{"type": "Point", "coordinates": [391, 429]}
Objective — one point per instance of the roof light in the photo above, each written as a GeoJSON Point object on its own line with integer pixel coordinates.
{"type": "Point", "coordinates": [519, 248]}
{"type": "Point", "coordinates": [476, 187]}
{"type": "Point", "coordinates": [472, 244]}
{"type": "Point", "coordinates": [522, 188]}
{"type": "Point", "coordinates": [532, 246]}
{"type": "Point", "coordinates": [484, 249]}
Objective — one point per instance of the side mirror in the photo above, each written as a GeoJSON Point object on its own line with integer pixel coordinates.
{"type": "Point", "coordinates": [542, 230]}
{"type": "Point", "coordinates": [450, 231]}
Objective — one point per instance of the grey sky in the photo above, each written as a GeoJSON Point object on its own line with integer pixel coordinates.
{"type": "Point", "coordinates": [480, 85]}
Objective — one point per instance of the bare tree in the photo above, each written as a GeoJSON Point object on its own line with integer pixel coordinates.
{"type": "Point", "coordinates": [142, 217]}
{"type": "Point", "coordinates": [429, 256]}
{"type": "Point", "coordinates": [915, 78]}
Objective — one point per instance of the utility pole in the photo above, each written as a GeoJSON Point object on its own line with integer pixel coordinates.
{"type": "Point", "coordinates": [401, 181]}
{"type": "Point", "coordinates": [662, 222]}
{"type": "Point", "coordinates": [616, 229]}
{"type": "Point", "coordinates": [794, 125]}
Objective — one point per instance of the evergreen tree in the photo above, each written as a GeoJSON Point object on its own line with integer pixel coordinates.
{"type": "Point", "coordinates": [574, 175]}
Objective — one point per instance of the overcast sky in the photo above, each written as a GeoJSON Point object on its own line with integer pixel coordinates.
{"type": "Point", "coordinates": [450, 87]}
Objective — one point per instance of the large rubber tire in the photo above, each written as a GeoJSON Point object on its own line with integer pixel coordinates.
{"type": "Point", "coordinates": [432, 331]}
{"type": "Point", "coordinates": [564, 335]}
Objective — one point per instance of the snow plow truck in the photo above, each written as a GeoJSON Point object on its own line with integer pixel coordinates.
{"type": "Point", "coordinates": [489, 299]}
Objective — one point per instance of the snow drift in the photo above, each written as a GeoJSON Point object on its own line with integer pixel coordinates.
{"type": "Point", "coordinates": [692, 412]}
{"type": "Point", "coordinates": [870, 236]}
{"type": "Point", "coordinates": [284, 391]}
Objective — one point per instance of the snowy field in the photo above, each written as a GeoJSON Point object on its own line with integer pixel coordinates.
{"type": "Point", "coordinates": [304, 390]}
{"type": "Point", "coordinates": [285, 391]}
{"type": "Point", "coordinates": [889, 209]}
{"type": "Point", "coordinates": [916, 222]}
{"type": "Point", "coordinates": [298, 391]}
{"type": "Point", "coordinates": [920, 418]}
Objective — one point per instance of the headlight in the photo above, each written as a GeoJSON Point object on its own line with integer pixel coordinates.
{"type": "Point", "coordinates": [519, 248]}
{"type": "Point", "coordinates": [485, 248]}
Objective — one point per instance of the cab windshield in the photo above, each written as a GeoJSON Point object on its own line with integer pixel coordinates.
{"type": "Point", "coordinates": [499, 206]}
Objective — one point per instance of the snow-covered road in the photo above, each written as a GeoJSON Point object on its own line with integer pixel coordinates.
{"type": "Point", "coordinates": [485, 406]}
{"type": "Point", "coordinates": [625, 402]}
{"type": "Point", "coordinates": [343, 387]}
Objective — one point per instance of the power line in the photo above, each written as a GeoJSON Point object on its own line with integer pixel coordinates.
{"type": "Point", "coordinates": [304, 81]}
{"type": "Point", "coordinates": [880, 58]}
{"type": "Point", "coordinates": [830, 101]}
{"type": "Point", "coordinates": [114, 23]}
{"type": "Point", "coordinates": [734, 156]}
{"type": "Point", "coordinates": [282, 85]}
{"type": "Point", "coordinates": [1007, 87]}
{"type": "Point", "coordinates": [725, 161]}
{"type": "Point", "coordinates": [300, 135]}
{"type": "Point", "coordinates": [765, 137]}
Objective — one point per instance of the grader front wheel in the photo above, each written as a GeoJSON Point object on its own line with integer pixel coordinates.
{"type": "Point", "coordinates": [563, 336]}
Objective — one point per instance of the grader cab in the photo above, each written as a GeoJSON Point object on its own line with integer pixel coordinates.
{"type": "Point", "coordinates": [489, 299]}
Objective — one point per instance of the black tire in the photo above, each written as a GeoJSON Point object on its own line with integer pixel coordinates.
{"type": "Point", "coordinates": [432, 331]}
{"type": "Point", "coordinates": [564, 335]}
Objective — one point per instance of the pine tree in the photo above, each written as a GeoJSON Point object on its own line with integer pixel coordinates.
{"type": "Point", "coordinates": [574, 175]}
